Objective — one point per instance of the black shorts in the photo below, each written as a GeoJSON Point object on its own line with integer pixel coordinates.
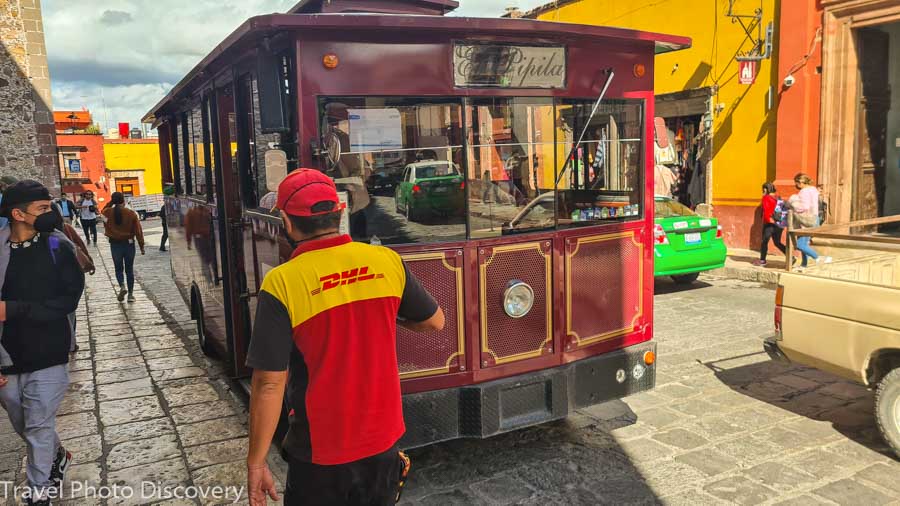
{"type": "Point", "coordinates": [372, 481]}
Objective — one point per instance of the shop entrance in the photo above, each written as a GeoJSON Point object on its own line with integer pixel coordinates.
{"type": "Point", "coordinates": [876, 179]}
{"type": "Point", "coordinates": [683, 151]}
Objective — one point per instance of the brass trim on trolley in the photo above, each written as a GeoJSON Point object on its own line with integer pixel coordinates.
{"type": "Point", "coordinates": [548, 297]}
{"type": "Point", "coordinates": [460, 314]}
{"type": "Point", "coordinates": [640, 309]}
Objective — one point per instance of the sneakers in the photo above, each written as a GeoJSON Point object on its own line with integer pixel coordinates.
{"type": "Point", "coordinates": [122, 293]}
{"type": "Point", "coordinates": [131, 298]}
{"type": "Point", "coordinates": [824, 260]}
{"type": "Point", "coordinates": [60, 466]}
{"type": "Point", "coordinates": [760, 263]}
{"type": "Point", "coordinates": [36, 502]}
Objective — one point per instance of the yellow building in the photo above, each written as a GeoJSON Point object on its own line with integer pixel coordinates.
{"type": "Point", "coordinates": [729, 126]}
{"type": "Point", "coordinates": [133, 166]}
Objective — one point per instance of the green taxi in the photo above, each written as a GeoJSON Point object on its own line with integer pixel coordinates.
{"type": "Point", "coordinates": [434, 187]}
{"type": "Point", "coordinates": [685, 244]}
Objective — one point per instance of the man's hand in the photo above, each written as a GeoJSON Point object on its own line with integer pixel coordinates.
{"type": "Point", "coordinates": [3, 381]}
{"type": "Point", "coordinates": [2, 311]}
{"type": "Point", "coordinates": [143, 252]}
{"type": "Point", "coordinates": [260, 485]}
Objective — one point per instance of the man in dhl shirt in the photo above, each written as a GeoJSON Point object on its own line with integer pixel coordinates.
{"type": "Point", "coordinates": [325, 329]}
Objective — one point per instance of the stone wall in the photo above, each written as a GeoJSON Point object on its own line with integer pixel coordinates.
{"type": "Point", "coordinates": [27, 133]}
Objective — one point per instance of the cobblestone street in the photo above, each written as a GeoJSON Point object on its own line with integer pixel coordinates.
{"type": "Point", "coordinates": [725, 425]}
{"type": "Point", "coordinates": [144, 405]}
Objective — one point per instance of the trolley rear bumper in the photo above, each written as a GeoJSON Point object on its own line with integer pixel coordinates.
{"type": "Point", "coordinates": [487, 409]}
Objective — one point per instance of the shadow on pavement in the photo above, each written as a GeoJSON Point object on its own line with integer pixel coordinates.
{"type": "Point", "coordinates": [665, 285]}
{"type": "Point", "coordinates": [572, 461]}
{"type": "Point", "coordinates": [848, 408]}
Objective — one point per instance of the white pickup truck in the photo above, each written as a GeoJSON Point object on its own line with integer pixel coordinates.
{"type": "Point", "coordinates": [145, 205]}
{"type": "Point", "coordinates": [844, 317]}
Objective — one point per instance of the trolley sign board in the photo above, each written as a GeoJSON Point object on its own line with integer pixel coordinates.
{"type": "Point", "coordinates": [747, 71]}
{"type": "Point", "coordinates": [74, 166]}
{"type": "Point", "coordinates": [508, 66]}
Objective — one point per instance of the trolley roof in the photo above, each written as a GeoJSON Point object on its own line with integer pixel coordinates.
{"type": "Point", "coordinates": [259, 27]}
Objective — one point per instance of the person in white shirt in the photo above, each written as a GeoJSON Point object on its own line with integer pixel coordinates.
{"type": "Point", "coordinates": [88, 210]}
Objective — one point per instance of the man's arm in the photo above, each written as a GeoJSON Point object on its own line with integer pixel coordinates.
{"type": "Point", "coordinates": [418, 309]}
{"type": "Point", "coordinates": [266, 400]}
{"type": "Point", "coordinates": [433, 324]}
{"type": "Point", "coordinates": [271, 346]}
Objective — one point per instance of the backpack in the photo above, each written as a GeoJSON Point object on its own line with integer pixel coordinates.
{"type": "Point", "coordinates": [779, 214]}
{"type": "Point", "coordinates": [84, 261]}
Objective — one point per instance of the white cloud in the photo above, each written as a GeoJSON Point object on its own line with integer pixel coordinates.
{"type": "Point", "coordinates": [136, 50]}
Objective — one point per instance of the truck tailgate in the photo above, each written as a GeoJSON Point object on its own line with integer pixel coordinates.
{"type": "Point", "coordinates": [835, 325]}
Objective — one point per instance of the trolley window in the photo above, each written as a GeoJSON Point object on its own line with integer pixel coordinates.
{"type": "Point", "coordinates": [511, 155]}
{"type": "Point", "coordinates": [253, 145]}
{"type": "Point", "coordinates": [197, 152]}
{"type": "Point", "coordinates": [186, 155]}
{"type": "Point", "coordinates": [398, 163]}
{"type": "Point", "coordinates": [601, 178]}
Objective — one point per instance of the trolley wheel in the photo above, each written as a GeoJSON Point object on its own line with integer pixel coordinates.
{"type": "Point", "coordinates": [887, 409]}
{"type": "Point", "coordinates": [686, 279]}
{"type": "Point", "coordinates": [197, 312]}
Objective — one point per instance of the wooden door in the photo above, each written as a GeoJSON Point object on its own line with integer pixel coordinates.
{"type": "Point", "coordinates": [875, 102]}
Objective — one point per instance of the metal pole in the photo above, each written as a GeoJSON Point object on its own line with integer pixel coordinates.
{"type": "Point", "coordinates": [789, 254]}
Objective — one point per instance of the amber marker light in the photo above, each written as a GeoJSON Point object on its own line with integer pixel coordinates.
{"type": "Point", "coordinates": [640, 70]}
{"type": "Point", "coordinates": [330, 61]}
{"type": "Point", "coordinates": [649, 358]}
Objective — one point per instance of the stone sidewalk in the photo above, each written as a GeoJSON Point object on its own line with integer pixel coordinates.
{"type": "Point", "coordinates": [144, 409]}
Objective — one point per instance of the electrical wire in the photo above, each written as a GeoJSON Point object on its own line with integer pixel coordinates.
{"type": "Point", "coordinates": [812, 47]}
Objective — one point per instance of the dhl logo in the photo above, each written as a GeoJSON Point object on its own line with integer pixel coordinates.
{"type": "Point", "coordinates": [357, 275]}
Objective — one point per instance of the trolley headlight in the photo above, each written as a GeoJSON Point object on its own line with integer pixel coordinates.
{"type": "Point", "coordinates": [518, 299]}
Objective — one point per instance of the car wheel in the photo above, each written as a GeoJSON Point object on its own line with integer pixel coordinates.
{"type": "Point", "coordinates": [411, 213]}
{"type": "Point", "coordinates": [686, 279]}
{"type": "Point", "coordinates": [887, 409]}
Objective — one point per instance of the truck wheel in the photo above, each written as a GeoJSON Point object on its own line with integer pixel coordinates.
{"type": "Point", "coordinates": [202, 339]}
{"type": "Point", "coordinates": [887, 409]}
{"type": "Point", "coordinates": [686, 279]}
{"type": "Point", "coordinates": [142, 215]}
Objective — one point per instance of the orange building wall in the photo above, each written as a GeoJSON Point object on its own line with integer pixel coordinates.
{"type": "Point", "coordinates": [93, 164]}
{"type": "Point", "coordinates": [797, 143]}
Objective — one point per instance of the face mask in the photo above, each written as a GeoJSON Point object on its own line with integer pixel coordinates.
{"type": "Point", "coordinates": [288, 238]}
{"type": "Point", "coordinates": [47, 222]}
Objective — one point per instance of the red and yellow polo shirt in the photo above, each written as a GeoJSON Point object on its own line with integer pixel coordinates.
{"type": "Point", "coordinates": [329, 315]}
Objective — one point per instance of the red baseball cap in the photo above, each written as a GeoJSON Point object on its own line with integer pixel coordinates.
{"type": "Point", "coordinates": [302, 189]}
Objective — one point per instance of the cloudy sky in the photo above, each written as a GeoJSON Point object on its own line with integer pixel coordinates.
{"type": "Point", "coordinates": [119, 57]}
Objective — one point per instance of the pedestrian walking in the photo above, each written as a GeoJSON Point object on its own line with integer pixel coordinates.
{"type": "Point", "coordinates": [165, 227]}
{"type": "Point", "coordinates": [88, 215]}
{"type": "Point", "coordinates": [42, 286]}
{"type": "Point", "coordinates": [339, 343]}
{"type": "Point", "coordinates": [67, 208]}
{"type": "Point", "coordinates": [774, 215]}
{"type": "Point", "coordinates": [805, 205]}
{"type": "Point", "coordinates": [122, 227]}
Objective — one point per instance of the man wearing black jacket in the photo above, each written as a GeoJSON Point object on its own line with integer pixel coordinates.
{"type": "Point", "coordinates": [43, 285]}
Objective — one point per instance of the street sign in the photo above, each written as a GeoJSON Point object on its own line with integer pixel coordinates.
{"type": "Point", "coordinates": [75, 166]}
{"type": "Point", "coordinates": [747, 71]}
